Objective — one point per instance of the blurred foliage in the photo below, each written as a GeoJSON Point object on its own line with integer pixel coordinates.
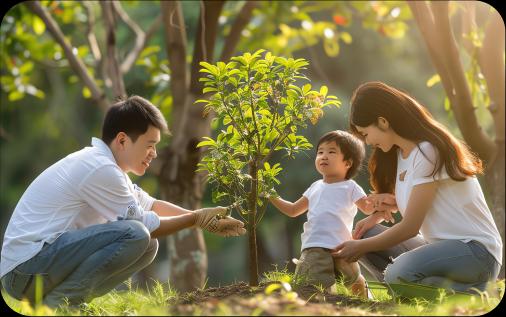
{"type": "Point", "coordinates": [46, 113]}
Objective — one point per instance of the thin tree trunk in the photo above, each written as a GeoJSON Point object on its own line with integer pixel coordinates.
{"type": "Point", "coordinates": [252, 243]}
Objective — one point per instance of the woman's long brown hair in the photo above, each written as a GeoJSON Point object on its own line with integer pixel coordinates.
{"type": "Point", "coordinates": [410, 120]}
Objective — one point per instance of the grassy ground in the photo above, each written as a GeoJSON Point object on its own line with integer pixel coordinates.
{"type": "Point", "coordinates": [274, 296]}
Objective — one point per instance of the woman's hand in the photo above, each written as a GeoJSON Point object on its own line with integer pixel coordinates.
{"type": "Point", "coordinates": [363, 226]}
{"type": "Point", "coordinates": [350, 250]}
{"type": "Point", "coordinates": [383, 202]}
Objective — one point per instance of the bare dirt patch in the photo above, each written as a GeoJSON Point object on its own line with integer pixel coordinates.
{"type": "Point", "coordinates": [241, 299]}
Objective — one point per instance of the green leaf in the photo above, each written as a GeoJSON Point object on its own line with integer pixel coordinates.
{"type": "Point", "coordinates": [26, 67]}
{"type": "Point", "coordinates": [433, 80]}
{"type": "Point", "coordinates": [212, 69]}
{"type": "Point", "coordinates": [323, 90]}
{"type": "Point", "coordinates": [208, 89]}
{"type": "Point", "coordinates": [346, 37]}
{"type": "Point", "coordinates": [202, 100]}
{"type": "Point", "coordinates": [208, 142]}
{"type": "Point", "coordinates": [38, 25]}
{"type": "Point", "coordinates": [331, 47]}
{"type": "Point", "coordinates": [272, 287]}
{"type": "Point", "coordinates": [16, 95]}
{"type": "Point", "coordinates": [149, 50]}
{"type": "Point", "coordinates": [86, 92]}
{"type": "Point", "coordinates": [447, 104]}
{"type": "Point", "coordinates": [306, 88]}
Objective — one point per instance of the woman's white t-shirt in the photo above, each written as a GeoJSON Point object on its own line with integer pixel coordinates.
{"type": "Point", "coordinates": [459, 210]}
{"type": "Point", "coordinates": [331, 212]}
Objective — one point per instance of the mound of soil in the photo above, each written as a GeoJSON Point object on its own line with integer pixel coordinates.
{"type": "Point", "coordinates": [241, 299]}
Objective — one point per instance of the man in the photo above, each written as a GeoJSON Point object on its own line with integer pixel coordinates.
{"type": "Point", "coordinates": [82, 227]}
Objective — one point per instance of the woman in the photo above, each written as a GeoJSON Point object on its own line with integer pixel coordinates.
{"type": "Point", "coordinates": [433, 177]}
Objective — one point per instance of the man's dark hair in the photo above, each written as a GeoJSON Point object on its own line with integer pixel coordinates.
{"type": "Point", "coordinates": [353, 149]}
{"type": "Point", "coordinates": [132, 116]}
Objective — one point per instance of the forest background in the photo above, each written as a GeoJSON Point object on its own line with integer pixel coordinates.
{"type": "Point", "coordinates": [53, 99]}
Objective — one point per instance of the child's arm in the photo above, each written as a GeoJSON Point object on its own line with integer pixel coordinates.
{"type": "Point", "coordinates": [365, 205]}
{"type": "Point", "coordinates": [288, 208]}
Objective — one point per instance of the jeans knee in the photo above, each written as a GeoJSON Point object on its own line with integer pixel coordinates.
{"type": "Point", "coordinates": [137, 231]}
{"type": "Point", "coordinates": [395, 274]}
{"type": "Point", "coordinates": [152, 250]}
{"type": "Point", "coordinates": [152, 247]}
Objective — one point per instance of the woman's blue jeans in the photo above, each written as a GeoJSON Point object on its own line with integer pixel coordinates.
{"type": "Point", "coordinates": [450, 264]}
{"type": "Point", "coordinates": [83, 264]}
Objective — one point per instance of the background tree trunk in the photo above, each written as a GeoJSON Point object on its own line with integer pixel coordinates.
{"type": "Point", "coordinates": [179, 183]}
{"type": "Point", "coordinates": [436, 29]}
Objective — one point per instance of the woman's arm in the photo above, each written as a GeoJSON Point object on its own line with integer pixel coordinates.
{"type": "Point", "coordinates": [288, 208]}
{"type": "Point", "coordinates": [420, 201]}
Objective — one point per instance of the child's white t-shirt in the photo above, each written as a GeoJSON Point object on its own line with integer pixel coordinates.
{"type": "Point", "coordinates": [331, 212]}
{"type": "Point", "coordinates": [459, 210]}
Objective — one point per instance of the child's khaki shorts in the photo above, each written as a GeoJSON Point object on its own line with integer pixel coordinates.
{"type": "Point", "coordinates": [317, 266]}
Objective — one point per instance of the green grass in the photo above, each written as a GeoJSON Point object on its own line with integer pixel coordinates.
{"type": "Point", "coordinates": [278, 289]}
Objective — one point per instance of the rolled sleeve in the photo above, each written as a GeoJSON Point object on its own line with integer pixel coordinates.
{"type": "Point", "coordinates": [145, 200]}
{"type": "Point", "coordinates": [151, 220]}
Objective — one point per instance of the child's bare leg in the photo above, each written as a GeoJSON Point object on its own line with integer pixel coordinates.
{"type": "Point", "coordinates": [353, 280]}
{"type": "Point", "coordinates": [359, 288]}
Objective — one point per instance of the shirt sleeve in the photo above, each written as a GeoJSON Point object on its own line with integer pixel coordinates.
{"type": "Point", "coordinates": [357, 192]}
{"type": "Point", "coordinates": [106, 190]}
{"type": "Point", "coordinates": [308, 191]}
{"type": "Point", "coordinates": [424, 163]}
{"type": "Point", "coordinates": [145, 200]}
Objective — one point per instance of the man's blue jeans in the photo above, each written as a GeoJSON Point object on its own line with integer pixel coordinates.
{"type": "Point", "coordinates": [83, 264]}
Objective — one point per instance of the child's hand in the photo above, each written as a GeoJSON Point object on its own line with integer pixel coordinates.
{"type": "Point", "coordinates": [269, 194]}
{"type": "Point", "coordinates": [367, 204]}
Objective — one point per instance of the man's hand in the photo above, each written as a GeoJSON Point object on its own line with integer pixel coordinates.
{"type": "Point", "coordinates": [205, 216]}
{"type": "Point", "coordinates": [229, 227]}
{"type": "Point", "coordinates": [215, 220]}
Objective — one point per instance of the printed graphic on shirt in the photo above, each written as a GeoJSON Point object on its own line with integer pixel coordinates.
{"type": "Point", "coordinates": [133, 212]}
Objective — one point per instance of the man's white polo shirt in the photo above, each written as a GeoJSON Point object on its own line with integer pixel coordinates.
{"type": "Point", "coordinates": [83, 189]}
